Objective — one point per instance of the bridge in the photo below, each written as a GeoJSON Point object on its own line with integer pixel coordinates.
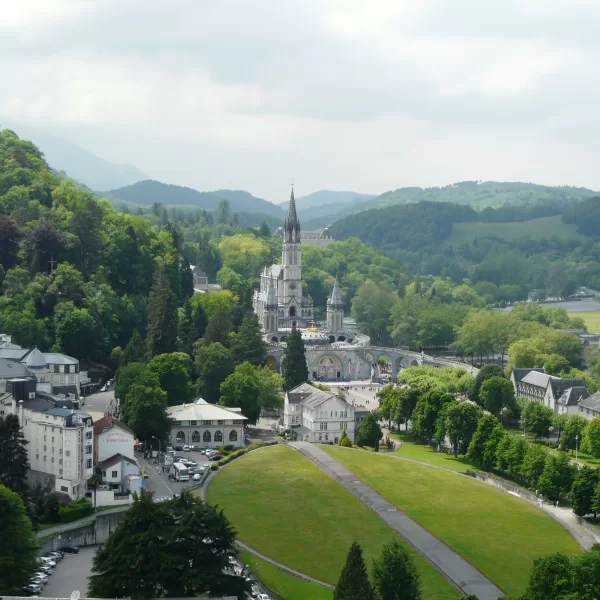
{"type": "Point", "coordinates": [360, 361]}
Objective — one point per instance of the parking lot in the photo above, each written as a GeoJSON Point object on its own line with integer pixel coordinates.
{"type": "Point", "coordinates": [71, 574]}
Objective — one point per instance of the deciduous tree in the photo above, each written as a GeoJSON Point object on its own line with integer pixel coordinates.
{"type": "Point", "coordinates": [242, 389]}
{"type": "Point", "coordinates": [173, 372]}
{"type": "Point", "coordinates": [496, 394]}
{"type": "Point", "coordinates": [482, 449]}
{"type": "Point", "coordinates": [369, 433]}
{"type": "Point", "coordinates": [591, 438]}
{"type": "Point", "coordinates": [487, 371]}
{"type": "Point", "coordinates": [214, 363]}
{"type": "Point", "coordinates": [582, 492]}
{"type": "Point", "coordinates": [460, 424]}
{"type": "Point", "coordinates": [557, 477]}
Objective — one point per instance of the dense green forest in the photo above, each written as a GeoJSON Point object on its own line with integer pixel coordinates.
{"type": "Point", "coordinates": [148, 192]}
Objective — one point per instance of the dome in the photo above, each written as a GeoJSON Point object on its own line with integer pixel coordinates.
{"type": "Point", "coordinates": [35, 360]}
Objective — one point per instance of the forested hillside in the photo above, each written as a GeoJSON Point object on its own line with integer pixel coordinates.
{"type": "Point", "coordinates": [150, 192]}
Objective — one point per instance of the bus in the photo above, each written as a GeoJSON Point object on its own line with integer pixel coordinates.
{"type": "Point", "coordinates": [181, 472]}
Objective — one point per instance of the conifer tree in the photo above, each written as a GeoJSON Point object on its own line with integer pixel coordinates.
{"type": "Point", "coordinates": [187, 279]}
{"type": "Point", "coordinates": [395, 576]}
{"type": "Point", "coordinates": [135, 351]}
{"type": "Point", "coordinates": [354, 581]}
{"type": "Point", "coordinates": [249, 345]}
{"type": "Point", "coordinates": [162, 316]}
{"type": "Point", "coordinates": [295, 370]}
{"type": "Point", "coordinates": [13, 454]}
{"type": "Point", "coordinates": [192, 327]}
{"type": "Point", "coordinates": [218, 327]}
{"type": "Point", "coordinates": [345, 440]}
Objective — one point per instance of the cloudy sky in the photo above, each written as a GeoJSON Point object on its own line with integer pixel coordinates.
{"type": "Point", "coordinates": [335, 94]}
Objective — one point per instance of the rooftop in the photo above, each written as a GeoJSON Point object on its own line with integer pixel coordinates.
{"type": "Point", "coordinates": [518, 374]}
{"type": "Point", "coordinates": [11, 368]}
{"type": "Point", "coordinates": [591, 402]}
{"type": "Point", "coordinates": [113, 460]}
{"type": "Point", "coordinates": [108, 423]}
{"type": "Point", "coordinates": [200, 410]}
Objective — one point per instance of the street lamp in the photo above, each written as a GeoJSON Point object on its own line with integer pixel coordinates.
{"type": "Point", "coordinates": [159, 452]}
{"type": "Point", "coordinates": [576, 445]}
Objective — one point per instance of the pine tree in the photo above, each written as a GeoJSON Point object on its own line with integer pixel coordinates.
{"type": "Point", "coordinates": [187, 279]}
{"type": "Point", "coordinates": [295, 370]}
{"type": "Point", "coordinates": [13, 454]}
{"type": "Point", "coordinates": [395, 576]}
{"type": "Point", "coordinates": [192, 327]}
{"type": "Point", "coordinates": [249, 345]}
{"type": "Point", "coordinates": [218, 327]}
{"type": "Point", "coordinates": [354, 582]}
{"type": "Point", "coordinates": [345, 440]}
{"type": "Point", "coordinates": [162, 316]}
{"type": "Point", "coordinates": [135, 351]}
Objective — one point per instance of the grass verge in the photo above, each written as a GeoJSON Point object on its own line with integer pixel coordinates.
{"type": "Point", "coordinates": [497, 533]}
{"type": "Point", "coordinates": [285, 507]}
{"type": "Point", "coordinates": [591, 318]}
{"type": "Point", "coordinates": [283, 584]}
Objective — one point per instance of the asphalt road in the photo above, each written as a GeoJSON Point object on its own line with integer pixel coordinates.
{"type": "Point", "coordinates": [98, 402]}
{"type": "Point", "coordinates": [71, 574]}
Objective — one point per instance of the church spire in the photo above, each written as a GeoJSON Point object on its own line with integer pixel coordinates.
{"type": "Point", "coordinates": [336, 295]}
{"type": "Point", "coordinates": [291, 228]}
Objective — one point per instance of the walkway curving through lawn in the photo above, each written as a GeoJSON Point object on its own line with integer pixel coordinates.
{"type": "Point", "coordinates": [464, 575]}
{"type": "Point", "coordinates": [282, 567]}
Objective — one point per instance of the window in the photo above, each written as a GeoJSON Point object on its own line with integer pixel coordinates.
{"type": "Point", "coordinates": [88, 435]}
{"type": "Point", "coordinates": [192, 422]}
{"type": "Point", "coordinates": [64, 488]}
{"type": "Point", "coordinates": [44, 438]}
{"type": "Point", "coordinates": [180, 437]}
{"type": "Point", "coordinates": [61, 369]}
{"type": "Point", "coordinates": [52, 459]}
{"type": "Point", "coordinates": [323, 426]}
{"type": "Point", "coordinates": [220, 422]}
{"type": "Point", "coordinates": [320, 437]}
{"type": "Point", "coordinates": [103, 473]}
{"type": "Point", "coordinates": [60, 451]}
{"type": "Point", "coordinates": [60, 461]}
{"type": "Point", "coordinates": [195, 436]}
{"type": "Point", "coordinates": [206, 437]}
{"type": "Point", "coordinates": [207, 422]}
{"type": "Point", "coordinates": [88, 449]}
{"type": "Point", "coordinates": [53, 439]}
{"type": "Point", "coordinates": [237, 422]}
{"type": "Point", "coordinates": [326, 437]}
{"type": "Point", "coordinates": [44, 448]}
{"type": "Point", "coordinates": [37, 457]}
{"type": "Point", "coordinates": [114, 474]}
{"type": "Point", "coordinates": [218, 436]}
{"type": "Point", "coordinates": [233, 436]}
{"type": "Point", "coordinates": [44, 457]}
{"type": "Point", "coordinates": [68, 453]}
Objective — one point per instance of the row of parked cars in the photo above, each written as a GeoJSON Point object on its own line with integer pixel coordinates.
{"type": "Point", "coordinates": [239, 568]}
{"type": "Point", "coordinates": [44, 569]}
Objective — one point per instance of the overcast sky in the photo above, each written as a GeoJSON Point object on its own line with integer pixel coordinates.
{"type": "Point", "coordinates": [348, 95]}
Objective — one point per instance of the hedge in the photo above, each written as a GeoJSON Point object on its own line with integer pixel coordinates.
{"type": "Point", "coordinates": [76, 510]}
{"type": "Point", "coordinates": [243, 451]}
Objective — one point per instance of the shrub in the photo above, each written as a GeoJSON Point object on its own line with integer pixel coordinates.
{"type": "Point", "coordinates": [242, 451]}
{"type": "Point", "coordinates": [345, 440]}
{"type": "Point", "coordinates": [214, 466]}
{"type": "Point", "coordinates": [76, 510]}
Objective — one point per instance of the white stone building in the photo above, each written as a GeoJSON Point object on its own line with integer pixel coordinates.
{"type": "Point", "coordinates": [313, 415]}
{"type": "Point", "coordinates": [199, 423]}
{"type": "Point", "coordinates": [61, 442]}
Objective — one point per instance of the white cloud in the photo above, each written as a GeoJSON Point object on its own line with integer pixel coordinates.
{"type": "Point", "coordinates": [337, 93]}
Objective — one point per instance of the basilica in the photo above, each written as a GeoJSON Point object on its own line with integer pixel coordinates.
{"type": "Point", "coordinates": [279, 302]}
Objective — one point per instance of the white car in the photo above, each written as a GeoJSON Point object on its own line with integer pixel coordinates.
{"type": "Point", "coordinates": [186, 448]}
{"type": "Point", "coordinates": [263, 597]}
{"type": "Point", "coordinates": [196, 477]}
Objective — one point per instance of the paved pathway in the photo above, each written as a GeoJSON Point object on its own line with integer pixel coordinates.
{"type": "Point", "coordinates": [75, 524]}
{"type": "Point", "coordinates": [282, 567]}
{"type": "Point", "coordinates": [464, 576]}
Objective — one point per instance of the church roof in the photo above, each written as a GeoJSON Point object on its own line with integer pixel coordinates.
{"type": "Point", "coordinates": [35, 360]}
{"type": "Point", "coordinates": [271, 295]}
{"type": "Point", "coordinates": [336, 295]}
{"type": "Point", "coordinates": [291, 223]}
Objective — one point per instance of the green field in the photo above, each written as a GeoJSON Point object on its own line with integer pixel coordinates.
{"type": "Point", "coordinates": [536, 229]}
{"type": "Point", "coordinates": [285, 507]}
{"type": "Point", "coordinates": [499, 534]}
{"type": "Point", "coordinates": [283, 584]}
{"type": "Point", "coordinates": [591, 318]}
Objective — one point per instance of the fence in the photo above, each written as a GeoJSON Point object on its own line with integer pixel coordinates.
{"type": "Point", "coordinates": [593, 531]}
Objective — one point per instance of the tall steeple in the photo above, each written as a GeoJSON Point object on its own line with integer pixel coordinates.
{"type": "Point", "coordinates": [291, 227]}
{"type": "Point", "coordinates": [335, 309]}
{"type": "Point", "coordinates": [336, 295]}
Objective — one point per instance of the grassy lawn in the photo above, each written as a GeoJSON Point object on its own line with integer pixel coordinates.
{"type": "Point", "coordinates": [285, 507]}
{"type": "Point", "coordinates": [536, 229]}
{"type": "Point", "coordinates": [283, 584]}
{"type": "Point", "coordinates": [591, 318]}
{"type": "Point", "coordinates": [497, 533]}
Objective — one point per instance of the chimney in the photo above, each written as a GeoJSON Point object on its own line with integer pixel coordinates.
{"type": "Point", "coordinates": [13, 403]}
{"type": "Point", "coordinates": [21, 412]}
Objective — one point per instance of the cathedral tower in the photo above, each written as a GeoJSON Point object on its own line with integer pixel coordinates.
{"type": "Point", "coordinates": [270, 320]}
{"type": "Point", "coordinates": [290, 289]}
{"type": "Point", "coordinates": [335, 309]}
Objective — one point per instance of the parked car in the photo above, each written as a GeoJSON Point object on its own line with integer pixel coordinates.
{"type": "Point", "coordinates": [45, 570]}
{"type": "Point", "coordinates": [178, 447]}
{"type": "Point", "coordinates": [48, 562]}
{"type": "Point", "coordinates": [32, 589]}
{"type": "Point", "coordinates": [186, 448]}
{"type": "Point", "coordinates": [40, 575]}
{"type": "Point", "coordinates": [256, 591]}
{"type": "Point", "coordinates": [56, 555]}
{"type": "Point", "coordinates": [70, 549]}
{"type": "Point", "coordinates": [263, 597]}
{"type": "Point", "coordinates": [196, 477]}
{"type": "Point", "coordinates": [215, 456]}
{"type": "Point", "coordinates": [37, 580]}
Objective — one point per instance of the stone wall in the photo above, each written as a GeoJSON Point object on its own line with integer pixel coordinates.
{"type": "Point", "coordinates": [89, 534]}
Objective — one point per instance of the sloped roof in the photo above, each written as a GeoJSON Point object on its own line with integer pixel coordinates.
{"type": "Point", "coordinates": [573, 395]}
{"type": "Point", "coordinates": [108, 423]}
{"type": "Point", "coordinates": [13, 353]}
{"type": "Point", "coordinates": [200, 410]}
{"type": "Point", "coordinates": [592, 402]}
{"type": "Point", "coordinates": [518, 374]}
{"type": "Point", "coordinates": [536, 378]}
{"type": "Point", "coordinates": [11, 368]}
{"type": "Point", "coordinates": [54, 358]}
{"type": "Point", "coordinates": [560, 385]}
{"type": "Point", "coordinates": [35, 359]}
{"type": "Point", "coordinates": [59, 412]}
{"type": "Point", "coordinates": [308, 395]}
{"type": "Point", "coordinates": [113, 460]}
